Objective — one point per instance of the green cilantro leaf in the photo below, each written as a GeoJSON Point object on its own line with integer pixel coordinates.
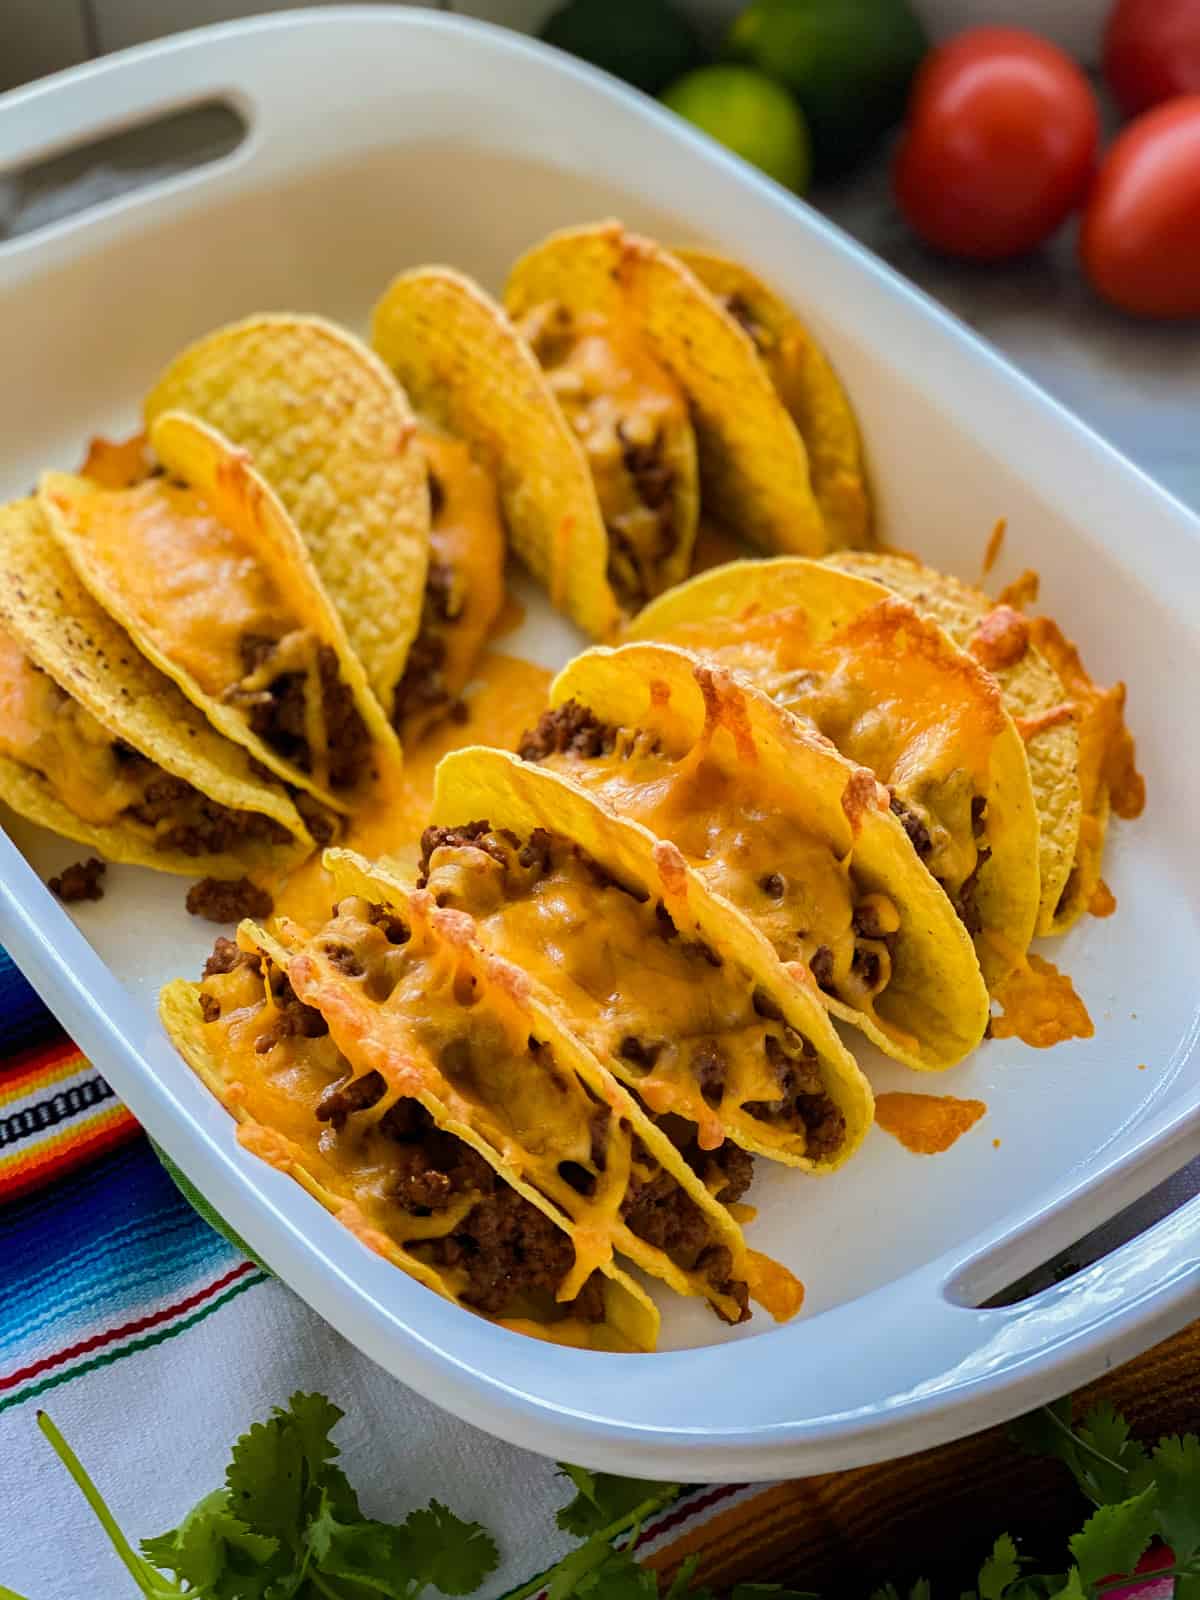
{"type": "Point", "coordinates": [312, 1417]}
{"type": "Point", "coordinates": [1176, 1467]}
{"type": "Point", "coordinates": [889, 1591]}
{"type": "Point", "coordinates": [1114, 1538]}
{"type": "Point", "coordinates": [603, 1499]}
{"type": "Point", "coordinates": [1000, 1569]}
{"type": "Point", "coordinates": [919, 1590]}
{"type": "Point", "coordinates": [210, 1540]}
{"type": "Point", "coordinates": [1187, 1587]}
{"type": "Point", "coordinates": [266, 1480]}
{"type": "Point", "coordinates": [1072, 1586]}
{"type": "Point", "coordinates": [617, 1577]}
{"type": "Point", "coordinates": [456, 1555]}
{"type": "Point", "coordinates": [1110, 1460]}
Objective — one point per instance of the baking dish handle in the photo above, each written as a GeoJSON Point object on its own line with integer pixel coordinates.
{"type": "Point", "coordinates": [70, 110]}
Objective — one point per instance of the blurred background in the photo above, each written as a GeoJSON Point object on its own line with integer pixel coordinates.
{"type": "Point", "coordinates": [1042, 181]}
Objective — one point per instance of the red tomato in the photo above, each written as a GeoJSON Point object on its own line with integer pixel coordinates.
{"type": "Point", "coordinates": [1140, 241]}
{"type": "Point", "coordinates": [1152, 51]}
{"type": "Point", "coordinates": [999, 145]}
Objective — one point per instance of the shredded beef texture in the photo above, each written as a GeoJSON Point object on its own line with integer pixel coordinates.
{"type": "Point", "coordinates": [507, 1248]}
{"type": "Point", "coordinates": [227, 956]}
{"type": "Point", "coordinates": [80, 881]}
{"type": "Point", "coordinates": [223, 900]}
{"type": "Point", "coordinates": [568, 729]}
{"type": "Point", "coordinates": [199, 826]}
{"type": "Point", "coordinates": [802, 1094]}
{"type": "Point", "coordinates": [916, 830]}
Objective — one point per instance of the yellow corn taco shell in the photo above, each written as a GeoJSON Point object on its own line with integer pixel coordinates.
{"type": "Point", "coordinates": [332, 433]}
{"type": "Point", "coordinates": [667, 984]}
{"type": "Point", "coordinates": [808, 387]}
{"type": "Point", "coordinates": [1035, 697]}
{"type": "Point", "coordinates": [630, 413]}
{"type": "Point", "coordinates": [754, 468]}
{"type": "Point", "coordinates": [273, 1091]}
{"type": "Point", "coordinates": [470, 374]}
{"type": "Point", "coordinates": [777, 823]}
{"type": "Point", "coordinates": [196, 562]}
{"type": "Point", "coordinates": [90, 731]}
{"type": "Point", "coordinates": [464, 1019]}
{"type": "Point", "coordinates": [895, 694]}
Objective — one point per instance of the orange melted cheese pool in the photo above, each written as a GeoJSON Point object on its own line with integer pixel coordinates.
{"type": "Point", "coordinates": [1040, 1006]}
{"type": "Point", "coordinates": [927, 1124]}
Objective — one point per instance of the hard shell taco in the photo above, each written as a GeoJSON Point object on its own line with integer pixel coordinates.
{"type": "Point", "coordinates": [679, 997]}
{"type": "Point", "coordinates": [472, 376]}
{"type": "Point", "coordinates": [772, 819]}
{"type": "Point", "coordinates": [628, 410]}
{"type": "Point", "coordinates": [331, 431]}
{"type": "Point", "coordinates": [1081, 756]}
{"type": "Point", "coordinates": [754, 466]}
{"type": "Point", "coordinates": [97, 745]}
{"type": "Point", "coordinates": [893, 693]}
{"type": "Point", "coordinates": [376, 1133]}
{"type": "Point", "coordinates": [203, 567]}
{"type": "Point", "coordinates": [808, 386]}
{"type": "Point", "coordinates": [487, 1039]}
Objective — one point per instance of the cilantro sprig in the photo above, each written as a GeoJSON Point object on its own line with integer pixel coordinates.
{"type": "Point", "coordinates": [286, 1525]}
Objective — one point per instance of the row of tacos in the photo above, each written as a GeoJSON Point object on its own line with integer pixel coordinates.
{"type": "Point", "coordinates": [827, 786]}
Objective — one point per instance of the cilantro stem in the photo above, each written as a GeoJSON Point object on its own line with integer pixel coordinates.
{"type": "Point", "coordinates": [1082, 1444]}
{"type": "Point", "coordinates": [147, 1579]}
{"type": "Point", "coordinates": [631, 1519]}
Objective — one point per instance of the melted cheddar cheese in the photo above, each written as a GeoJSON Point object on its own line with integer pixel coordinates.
{"type": "Point", "coordinates": [624, 407]}
{"type": "Point", "coordinates": [881, 689]}
{"type": "Point", "coordinates": [283, 1069]}
{"type": "Point", "coordinates": [464, 589]}
{"type": "Point", "coordinates": [194, 585]}
{"type": "Point", "coordinates": [42, 728]}
{"type": "Point", "coordinates": [689, 1031]}
{"type": "Point", "coordinates": [747, 838]}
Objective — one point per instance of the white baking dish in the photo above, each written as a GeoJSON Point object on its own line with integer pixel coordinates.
{"type": "Point", "coordinates": [379, 139]}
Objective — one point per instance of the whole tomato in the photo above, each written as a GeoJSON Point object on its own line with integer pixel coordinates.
{"type": "Point", "coordinates": [1152, 51]}
{"type": "Point", "coordinates": [1140, 240]}
{"type": "Point", "coordinates": [999, 145]}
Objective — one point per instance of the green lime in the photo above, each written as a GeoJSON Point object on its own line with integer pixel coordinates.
{"type": "Point", "coordinates": [848, 62]}
{"type": "Point", "coordinates": [751, 115]}
{"type": "Point", "coordinates": [646, 42]}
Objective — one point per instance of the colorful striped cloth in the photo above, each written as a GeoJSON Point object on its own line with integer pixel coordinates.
{"type": "Point", "coordinates": [153, 1342]}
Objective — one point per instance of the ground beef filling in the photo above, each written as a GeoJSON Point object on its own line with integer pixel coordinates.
{"type": "Point", "coordinates": [183, 819]}
{"type": "Point", "coordinates": [569, 729]}
{"type": "Point", "coordinates": [223, 900]}
{"type": "Point", "coordinates": [511, 1255]}
{"type": "Point", "coordinates": [659, 1211]}
{"type": "Point", "coordinates": [277, 712]}
{"type": "Point", "coordinates": [509, 1252]}
{"type": "Point", "coordinates": [79, 881]}
{"type": "Point", "coordinates": [600, 382]}
{"type": "Point", "coordinates": [793, 1060]}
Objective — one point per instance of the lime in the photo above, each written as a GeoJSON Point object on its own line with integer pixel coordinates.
{"type": "Point", "coordinates": [751, 115]}
{"type": "Point", "coordinates": [646, 42]}
{"type": "Point", "coordinates": [848, 62]}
